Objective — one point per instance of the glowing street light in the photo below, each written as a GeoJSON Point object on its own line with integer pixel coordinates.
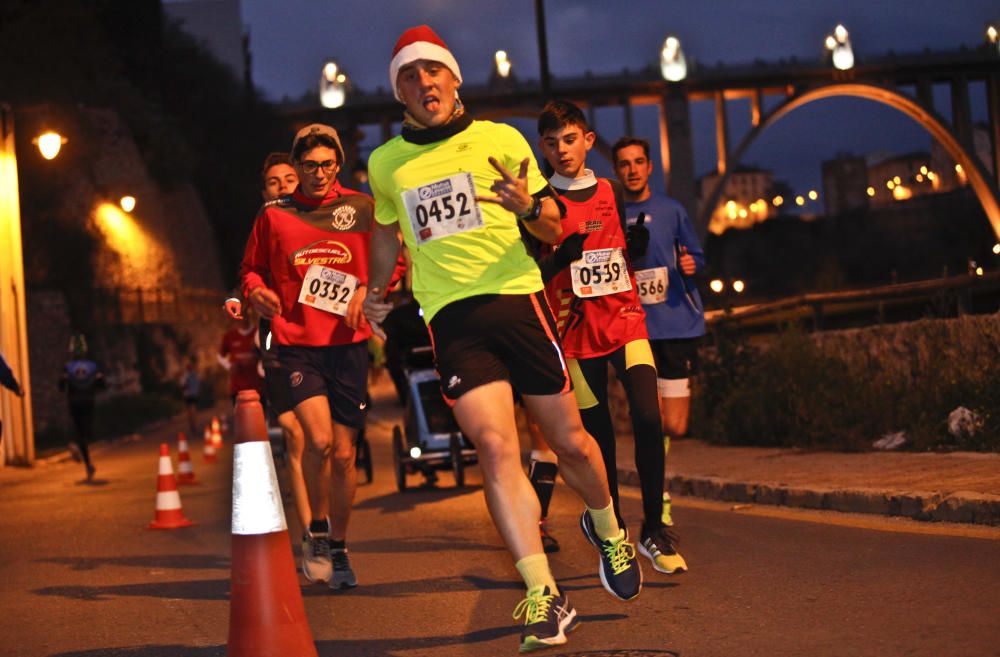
{"type": "Point", "coordinates": [813, 195]}
{"type": "Point", "coordinates": [800, 201]}
{"type": "Point", "coordinates": [127, 203]}
{"type": "Point", "coordinates": [49, 144]}
{"type": "Point", "coordinates": [332, 86]}
{"type": "Point", "coordinates": [992, 35]}
{"type": "Point", "coordinates": [739, 286]}
{"type": "Point", "coordinates": [717, 285]}
{"type": "Point", "coordinates": [871, 191]}
{"type": "Point", "coordinates": [840, 45]}
{"type": "Point", "coordinates": [503, 64]}
{"type": "Point", "coordinates": [673, 66]}
{"type": "Point", "coordinates": [996, 248]}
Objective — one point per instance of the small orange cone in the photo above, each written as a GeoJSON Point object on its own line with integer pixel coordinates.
{"type": "Point", "coordinates": [185, 470]}
{"type": "Point", "coordinates": [208, 455]}
{"type": "Point", "coordinates": [216, 436]}
{"type": "Point", "coordinates": [168, 501]}
{"type": "Point", "coordinates": [266, 614]}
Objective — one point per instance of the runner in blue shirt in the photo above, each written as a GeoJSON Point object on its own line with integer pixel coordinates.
{"type": "Point", "coordinates": [674, 314]}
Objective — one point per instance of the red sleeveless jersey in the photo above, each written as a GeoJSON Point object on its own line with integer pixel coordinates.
{"type": "Point", "coordinates": [603, 313]}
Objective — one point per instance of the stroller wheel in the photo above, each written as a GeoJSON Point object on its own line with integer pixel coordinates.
{"type": "Point", "coordinates": [397, 458]}
{"type": "Point", "coordinates": [457, 465]}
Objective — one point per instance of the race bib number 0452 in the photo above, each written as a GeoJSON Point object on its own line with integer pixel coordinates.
{"type": "Point", "coordinates": [443, 208]}
{"type": "Point", "coordinates": [652, 285]}
{"type": "Point", "coordinates": [600, 272]}
{"type": "Point", "coordinates": [327, 289]}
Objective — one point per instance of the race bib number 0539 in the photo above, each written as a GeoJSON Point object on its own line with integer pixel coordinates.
{"type": "Point", "coordinates": [652, 285]}
{"type": "Point", "coordinates": [443, 208]}
{"type": "Point", "coordinates": [327, 289]}
{"type": "Point", "coordinates": [600, 272]}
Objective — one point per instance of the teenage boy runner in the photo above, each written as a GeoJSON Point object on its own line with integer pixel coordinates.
{"type": "Point", "coordinates": [305, 268]}
{"type": "Point", "coordinates": [278, 179]}
{"type": "Point", "coordinates": [590, 284]}
{"type": "Point", "coordinates": [446, 182]}
{"type": "Point", "coordinates": [674, 315]}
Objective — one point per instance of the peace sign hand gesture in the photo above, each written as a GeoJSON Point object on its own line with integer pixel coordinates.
{"type": "Point", "coordinates": [511, 192]}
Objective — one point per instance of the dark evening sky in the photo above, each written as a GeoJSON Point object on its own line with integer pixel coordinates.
{"type": "Point", "coordinates": [291, 39]}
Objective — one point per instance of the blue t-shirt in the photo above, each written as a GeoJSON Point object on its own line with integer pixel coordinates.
{"type": "Point", "coordinates": [682, 314]}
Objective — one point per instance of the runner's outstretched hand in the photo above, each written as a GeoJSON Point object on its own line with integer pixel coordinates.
{"type": "Point", "coordinates": [511, 192]}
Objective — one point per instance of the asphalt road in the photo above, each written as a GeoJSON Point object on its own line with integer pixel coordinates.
{"type": "Point", "coordinates": [81, 576]}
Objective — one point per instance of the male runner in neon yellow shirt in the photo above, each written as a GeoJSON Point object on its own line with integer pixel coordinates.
{"type": "Point", "coordinates": [482, 298]}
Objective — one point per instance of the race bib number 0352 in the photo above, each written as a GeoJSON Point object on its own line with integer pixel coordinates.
{"type": "Point", "coordinates": [327, 289]}
{"type": "Point", "coordinates": [600, 272]}
{"type": "Point", "coordinates": [443, 208]}
{"type": "Point", "coordinates": [652, 285]}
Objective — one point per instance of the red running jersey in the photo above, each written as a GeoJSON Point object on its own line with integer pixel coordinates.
{"type": "Point", "coordinates": [594, 300]}
{"type": "Point", "coordinates": [241, 351]}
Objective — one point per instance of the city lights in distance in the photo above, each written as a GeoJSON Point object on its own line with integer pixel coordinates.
{"type": "Point", "coordinates": [673, 65]}
{"type": "Point", "coordinates": [49, 143]}
{"type": "Point", "coordinates": [716, 285]}
{"type": "Point", "coordinates": [901, 193]}
{"type": "Point", "coordinates": [992, 34]}
{"type": "Point", "coordinates": [778, 201]}
{"type": "Point", "coordinates": [503, 64]}
{"type": "Point", "coordinates": [996, 248]}
{"type": "Point", "coordinates": [738, 286]}
{"type": "Point", "coordinates": [871, 191]}
{"type": "Point", "coordinates": [127, 203]}
{"type": "Point", "coordinates": [800, 200]}
{"type": "Point", "coordinates": [813, 195]}
{"type": "Point", "coordinates": [979, 271]}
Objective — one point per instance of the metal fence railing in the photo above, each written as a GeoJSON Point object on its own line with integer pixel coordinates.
{"type": "Point", "coordinates": [952, 296]}
{"type": "Point", "coordinates": [125, 305]}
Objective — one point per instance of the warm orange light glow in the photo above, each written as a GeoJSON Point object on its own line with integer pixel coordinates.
{"type": "Point", "coordinates": [813, 195]}
{"type": "Point", "coordinates": [778, 200]}
{"type": "Point", "coordinates": [127, 203]}
{"type": "Point", "coordinates": [871, 191]}
{"type": "Point", "coordinates": [996, 248]}
{"type": "Point", "coordinates": [140, 258]}
{"type": "Point", "coordinates": [890, 184]}
{"type": "Point", "coordinates": [896, 180]}
{"type": "Point", "coordinates": [717, 285]}
{"type": "Point", "coordinates": [799, 200]}
{"type": "Point", "coordinates": [743, 213]}
{"type": "Point", "coordinates": [49, 144]}
{"type": "Point", "coordinates": [920, 177]}
{"type": "Point", "coordinates": [738, 286]}
{"type": "Point", "coordinates": [923, 170]}
{"type": "Point", "coordinates": [979, 271]}
{"type": "Point", "coordinates": [901, 193]}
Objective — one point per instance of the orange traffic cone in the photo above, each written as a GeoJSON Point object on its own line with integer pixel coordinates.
{"type": "Point", "coordinates": [266, 614]}
{"type": "Point", "coordinates": [185, 470]}
{"type": "Point", "coordinates": [216, 436]}
{"type": "Point", "coordinates": [168, 501]}
{"type": "Point", "coordinates": [209, 454]}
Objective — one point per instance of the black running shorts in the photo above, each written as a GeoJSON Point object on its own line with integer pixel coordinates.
{"type": "Point", "coordinates": [339, 373]}
{"type": "Point", "coordinates": [498, 337]}
{"type": "Point", "coordinates": [277, 390]}
{"type": "Point", "coordinates": [676, 358]}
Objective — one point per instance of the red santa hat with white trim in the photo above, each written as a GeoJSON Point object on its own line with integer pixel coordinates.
{"type": "Point", "coordinates": [420, 42]}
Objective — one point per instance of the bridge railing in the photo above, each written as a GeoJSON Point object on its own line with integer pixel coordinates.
{"type": "Point", "coordinates": [951, 296]}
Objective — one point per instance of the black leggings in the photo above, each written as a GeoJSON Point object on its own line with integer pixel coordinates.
{"type": "Point", "coordinates": [639, 380]}
{"type": "Point", "coordinates": [83, 420]}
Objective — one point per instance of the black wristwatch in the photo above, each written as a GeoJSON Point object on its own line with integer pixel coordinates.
{"type": "Point", "coordinates": [534, 213]}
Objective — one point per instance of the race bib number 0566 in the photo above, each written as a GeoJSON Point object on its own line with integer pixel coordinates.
{"type": "Point", "coordinates": [443, 208]}
{"type": "Point", "coordinates": [600, 272]}
{"type": "Point", "coordinates": [327, 289]}
{"type": "Point", "coordinates": [652, 284]}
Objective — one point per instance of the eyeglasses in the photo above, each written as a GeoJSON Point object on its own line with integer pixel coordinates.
{"type": "Point", "coordinates": [310, 166]}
